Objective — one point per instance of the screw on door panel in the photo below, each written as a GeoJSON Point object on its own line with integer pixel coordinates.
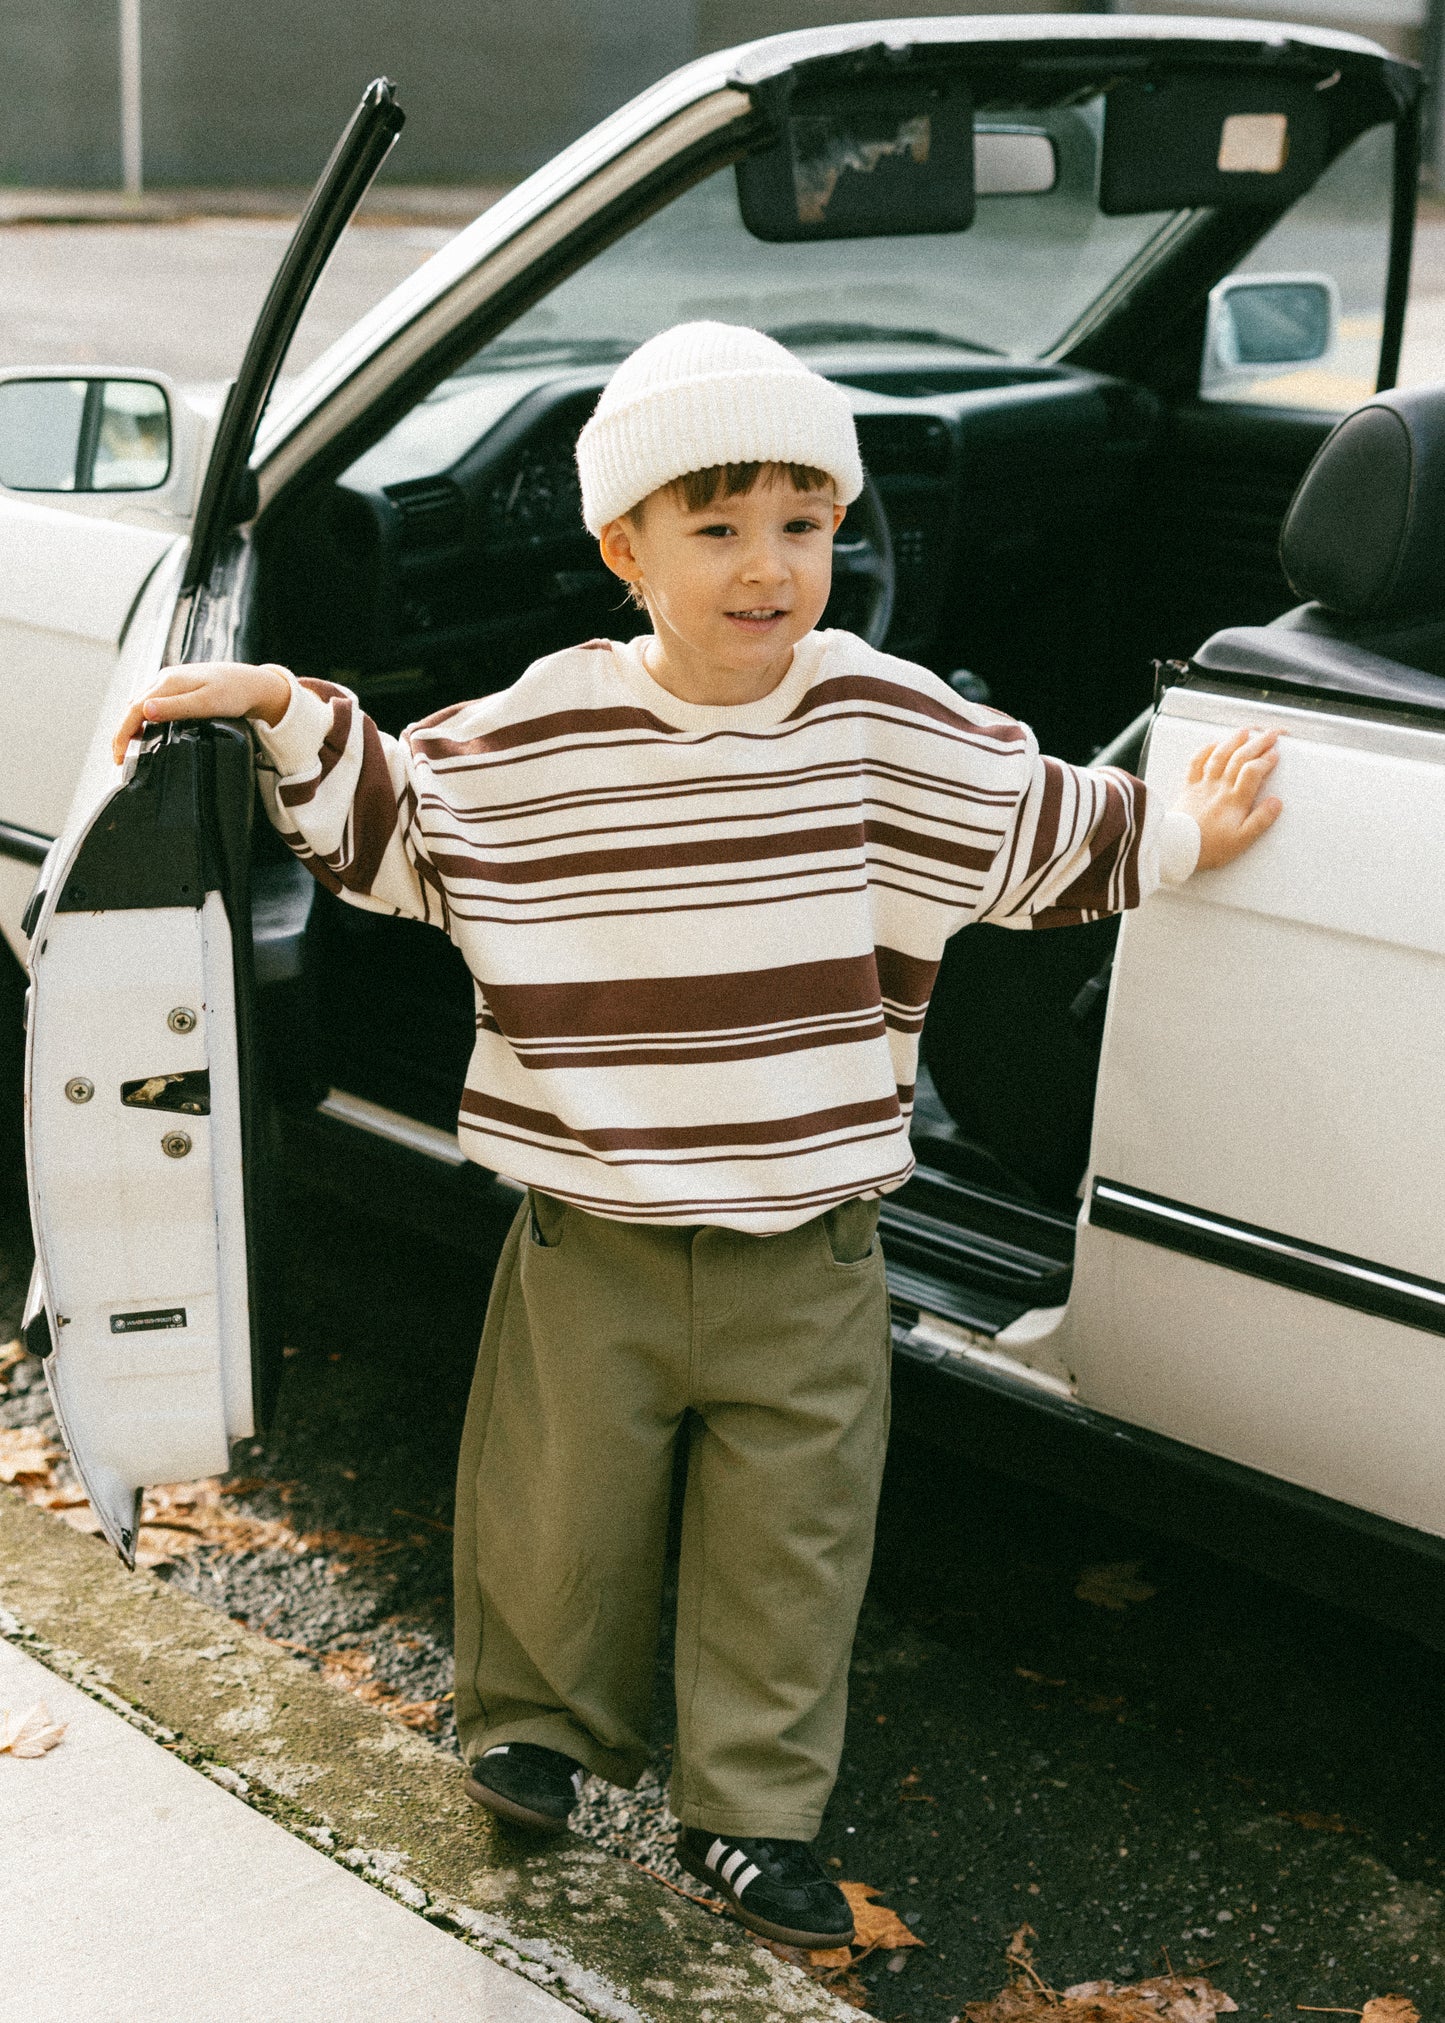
{"type": "Point", "coordinates": [182, 1019]}
{"type": "Point", "coordinates": [79, 1090]}
{"type": "Point", "coordinates": [175, 1144]}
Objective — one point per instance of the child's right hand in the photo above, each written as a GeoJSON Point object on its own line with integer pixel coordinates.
{"type": "Point", "coordinates": [209, 688]}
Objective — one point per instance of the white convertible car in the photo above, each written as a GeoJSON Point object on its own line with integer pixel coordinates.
{"type": "Point", "coordinates": [1100, 288]}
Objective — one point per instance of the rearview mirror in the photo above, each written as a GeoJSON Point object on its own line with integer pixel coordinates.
{"type": "Point", "coordinates": [1013, 162]}
{"type": "Point", "coordinates": [1262, 325]}
{"type": "Point", "coordinates": [84, 435]}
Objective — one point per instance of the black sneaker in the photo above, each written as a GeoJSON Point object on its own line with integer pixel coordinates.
{"type": "Point", "coordinates": [525, 1783]}
{"type": "Point", "coordinates": [775, 1886]}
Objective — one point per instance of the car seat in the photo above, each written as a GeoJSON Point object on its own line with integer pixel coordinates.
{"type": "Point", "coordinates": [1364, 543]}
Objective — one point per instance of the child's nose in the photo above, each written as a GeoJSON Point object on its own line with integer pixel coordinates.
{"type": "Point", "coordinates": [764, 563]}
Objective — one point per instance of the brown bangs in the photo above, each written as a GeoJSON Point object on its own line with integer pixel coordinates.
{"type": "Point", "coordinates": [697, 490]}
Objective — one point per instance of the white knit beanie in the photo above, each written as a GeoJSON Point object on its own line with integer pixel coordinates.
{"type": "Point", "coordinates": [703, 394]}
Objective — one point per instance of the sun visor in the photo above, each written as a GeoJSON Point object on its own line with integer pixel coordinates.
{"type": "Point", "coordinates": [864, 162]}
{"type": "Point", "coordinates": [1197, 138]}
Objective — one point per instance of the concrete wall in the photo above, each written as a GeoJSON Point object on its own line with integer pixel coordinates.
{"type": "Point", "coordinates": [255, 91]}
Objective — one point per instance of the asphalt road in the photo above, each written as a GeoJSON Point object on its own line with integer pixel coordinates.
{"type": "Point", "coordinates": [181, 297]}
{"type": "Point", "coordinates": [1213, 1771]}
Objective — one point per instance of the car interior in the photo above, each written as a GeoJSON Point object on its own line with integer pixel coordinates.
{"type": "Point", "coordinates": [1052, 508]}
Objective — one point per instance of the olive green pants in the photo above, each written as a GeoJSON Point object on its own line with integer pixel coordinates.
{"type": "Point", "coordinates": [769, 1355]}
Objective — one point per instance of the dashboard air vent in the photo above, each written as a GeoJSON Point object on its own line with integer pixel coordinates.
{"type": "Point", "coordinates": [432, 512]}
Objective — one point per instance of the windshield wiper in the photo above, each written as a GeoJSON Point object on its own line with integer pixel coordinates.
{"type": "Point", "coordinates": [875, 333]}
{"type": "Point", "coordinates": [555, 350]}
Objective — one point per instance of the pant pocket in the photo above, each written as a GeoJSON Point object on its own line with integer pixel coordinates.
{"type": "Point", "coordinates": [851, 1230]}
{"type": "Point", "coordinates": [546, 1219]}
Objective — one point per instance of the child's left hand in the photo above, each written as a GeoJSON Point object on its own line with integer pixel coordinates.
{"type": "Point", "coordinates": [1222, 794]}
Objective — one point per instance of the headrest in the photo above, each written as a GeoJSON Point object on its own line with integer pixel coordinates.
{"type": "Point", "coordinates": [1365, 532]}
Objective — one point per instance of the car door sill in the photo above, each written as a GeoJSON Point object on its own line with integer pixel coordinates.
{"type": "Point", "coordinates": [363, 1115]}
{"type": "Point", "coordinates": [932, 1339]}
{"type": "Point", "coordinates": [1290, 1261]}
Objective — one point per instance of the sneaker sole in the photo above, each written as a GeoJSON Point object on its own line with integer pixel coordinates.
{"type": "Point", "coordinates": [781, 1935]}
{"type": "Point", "coordinates": [510, 1809]}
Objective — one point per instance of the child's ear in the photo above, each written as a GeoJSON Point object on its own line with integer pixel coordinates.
{"type": "Point", "coordinates": [618, 553]}
{"type": "Point", "coordinates": [839, 512]}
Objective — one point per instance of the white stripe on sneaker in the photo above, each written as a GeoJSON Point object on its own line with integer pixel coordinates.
{"type": "Point", "coordinates": [749, 1874]}
{"type": "Point", "coordinates": [715, 1853]}
{"type": "Point", "coordinates": [733, 1863]}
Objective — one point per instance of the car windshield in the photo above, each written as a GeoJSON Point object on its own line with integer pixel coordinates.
{"type": "Point", "coordinates": [1024, 272]}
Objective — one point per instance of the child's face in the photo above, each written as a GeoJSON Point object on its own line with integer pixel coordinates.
{"type": "Point", "coordinates": [736, 584]}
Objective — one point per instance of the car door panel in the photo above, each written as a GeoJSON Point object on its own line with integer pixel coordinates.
{"type": "Point", "coordinates": [1270, 1069]}
{"type": "Point", "coordinates": [141, 1249]}
{"type": "Point", "coordinates": [147, 1129]}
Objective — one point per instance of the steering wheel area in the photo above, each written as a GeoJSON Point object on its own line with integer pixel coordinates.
{"type": "Point", "coordinates": [863, 573]}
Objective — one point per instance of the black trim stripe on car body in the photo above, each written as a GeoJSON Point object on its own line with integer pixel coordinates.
{"type": "Point", "coordinates": [1264, 1253]}
{"type": "Point", "coordinates": [27, 846]}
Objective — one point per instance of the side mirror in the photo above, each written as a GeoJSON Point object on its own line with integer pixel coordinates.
{"type": "Point", "coordinates": [1261, 326]}
{"type": "Point", "coordinates": [84, 435]}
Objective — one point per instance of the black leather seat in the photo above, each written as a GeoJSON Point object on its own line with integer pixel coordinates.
{"type": "Point", "coordinates": [1364, 542]}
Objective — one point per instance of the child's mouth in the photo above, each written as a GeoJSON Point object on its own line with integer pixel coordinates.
{"type": "Point", "coordinates": [759, 619]}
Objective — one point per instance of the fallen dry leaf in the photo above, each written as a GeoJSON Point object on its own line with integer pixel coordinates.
{"type": "Point", "coordinates": [11, 1353]}
{"type": "Point", "coordinates": [180, 1517]}
{"type": "Point", "coordinates": [1169, 1998]}
{"type": "Point", "coordinates": [1113, 1586]}
{"type": "Point", "coordinates": [1320, 1822]}
{"type": "Point", "coordinates": [25, 1455]}
{"type": "Point", "coordinates": [1390, 2009]}
{"type": "Point", "coordinates": [29, 1733]}
{"type": "Point", "coordinates": [351, 1670]}
{"type": "Point", "coordinates": [875, 1927]}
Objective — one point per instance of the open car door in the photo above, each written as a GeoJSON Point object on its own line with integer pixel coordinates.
{"type": "Point", "coordinates": [1261, 1261]}
{"type": "Point", "coordinates": [145, 1127]}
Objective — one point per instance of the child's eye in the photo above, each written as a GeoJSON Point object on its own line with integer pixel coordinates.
{"type": "Point", "coordinates": [714, 532]}
{"type": "Point", "coordinates": [802, 527]}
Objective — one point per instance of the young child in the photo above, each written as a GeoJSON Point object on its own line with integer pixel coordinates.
{"type": "Point", "coordinates": [703, 881]}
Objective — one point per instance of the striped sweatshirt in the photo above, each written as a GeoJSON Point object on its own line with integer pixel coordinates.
{"type": "Point", "coordinates": [703, 938]}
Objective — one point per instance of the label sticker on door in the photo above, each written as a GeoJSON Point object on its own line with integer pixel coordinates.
{"type": "Point", "coordinates": [135, 1324]}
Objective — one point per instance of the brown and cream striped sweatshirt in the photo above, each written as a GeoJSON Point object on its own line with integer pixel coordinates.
{"type": "Point", "coordinates": [704, 939]}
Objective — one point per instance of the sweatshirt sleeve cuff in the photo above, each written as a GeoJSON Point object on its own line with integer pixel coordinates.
{"type": "Point", "coordinates": [292, 744]}
{"type": "Point", "coordinates": [1179, 845]}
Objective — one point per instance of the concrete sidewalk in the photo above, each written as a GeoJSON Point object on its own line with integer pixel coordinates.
{"type": "Point", "coordinates": [135, 1888]}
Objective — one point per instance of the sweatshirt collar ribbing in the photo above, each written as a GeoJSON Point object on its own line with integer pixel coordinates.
{"type": "Point", "coordinates": [768, 710]}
